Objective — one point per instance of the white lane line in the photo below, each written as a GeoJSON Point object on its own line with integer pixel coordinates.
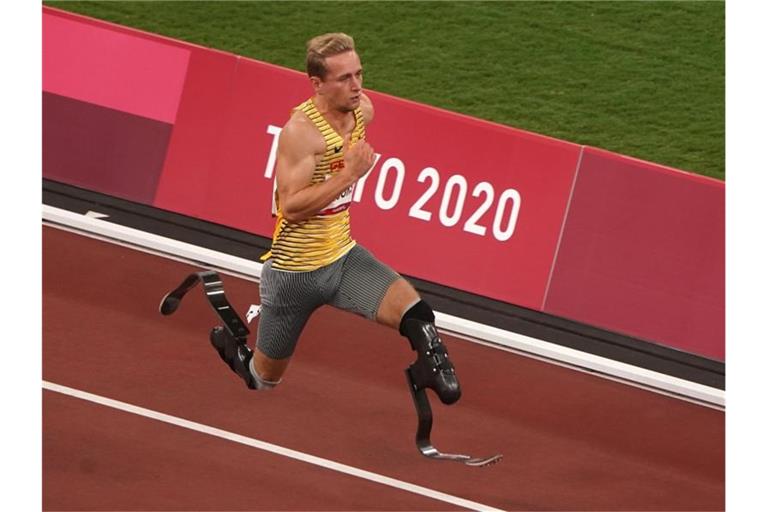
{"type": "Point", "coordinates": [273, 448]}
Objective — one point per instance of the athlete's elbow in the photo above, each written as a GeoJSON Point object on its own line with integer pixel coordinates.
{"type": "Point", "coordinates": [294, 216]}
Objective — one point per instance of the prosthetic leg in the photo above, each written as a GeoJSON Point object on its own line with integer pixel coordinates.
{"type": "Point", "coordinates": [423, 443]}
{"type": "Point", "coordinates": [433, 370]}
{"type": "Point", "coordinates": [229, 340]}
{"type": "Point", "coordinates": [214, 292]}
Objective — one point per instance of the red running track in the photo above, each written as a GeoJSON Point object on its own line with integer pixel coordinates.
{"type": "Point", "coordinates": [571, 440]}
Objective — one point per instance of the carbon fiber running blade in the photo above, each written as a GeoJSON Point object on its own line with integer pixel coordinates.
{"type": "Point", "coordinates": [423, 443]}
{"type": "Point", "coordinates": [433, 453]}
{"type": "Point", "coordinates": [484, 462]}
{"type": "Point", "coordinates": [213, 288]}
{"type": "Point", "coordinates": [171, 300]}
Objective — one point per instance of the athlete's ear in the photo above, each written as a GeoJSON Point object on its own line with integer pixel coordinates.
{"type": "Point", "coordinates": [317, 83]}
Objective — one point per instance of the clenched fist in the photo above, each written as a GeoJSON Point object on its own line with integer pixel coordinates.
{"type": "Point", "coordinates": [358, 158]}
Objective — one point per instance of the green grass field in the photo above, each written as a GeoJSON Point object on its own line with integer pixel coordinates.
{"type": "Point", "coordinates": [645, 79]}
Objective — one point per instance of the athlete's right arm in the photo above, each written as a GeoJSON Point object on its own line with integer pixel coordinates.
{"type": "Point", "coordinates": [297, 148]}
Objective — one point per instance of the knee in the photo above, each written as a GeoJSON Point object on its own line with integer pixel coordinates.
{"type": "Point", "coordinates": [265, 381]}
{"type": "Point", "coordinates": [400, 296]}
{"type": "Point", "coordinates": [418, 311]}
{"type": "Point", "coordinates": [269, 371]}
{"type": "Point", "coordinates": [264, 384]}
{"type": "Point", "coordinates": [269, 380]}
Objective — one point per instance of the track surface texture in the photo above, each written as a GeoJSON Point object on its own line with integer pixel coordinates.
{"type": "Point", "coordinates": [571, 440]}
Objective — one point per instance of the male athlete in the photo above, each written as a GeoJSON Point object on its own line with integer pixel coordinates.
{"type": "Point", "coordinates": [321, 153]}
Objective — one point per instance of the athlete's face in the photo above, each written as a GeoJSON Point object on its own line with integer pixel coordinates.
{"type": "Point", "coordinates": [343, 81]}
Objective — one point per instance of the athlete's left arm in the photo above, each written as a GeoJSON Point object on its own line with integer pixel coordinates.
{"type": "Point", "coordinates": [366, 106]}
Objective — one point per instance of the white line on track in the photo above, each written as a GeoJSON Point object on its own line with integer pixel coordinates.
{"type": "Point", "coordinates": [269, 447]}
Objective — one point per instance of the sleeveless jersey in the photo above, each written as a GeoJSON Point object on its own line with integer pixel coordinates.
{"type": "Point", "coordinates": [325, 237]}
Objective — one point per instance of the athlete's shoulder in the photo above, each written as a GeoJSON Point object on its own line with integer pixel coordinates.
{"type": "Point", "coordinates": [366, 107]}
{"type": "Point", "coordinates": [301, 131]}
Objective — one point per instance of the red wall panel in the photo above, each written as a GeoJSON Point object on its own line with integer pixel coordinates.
{"type": "Point", "coordinates": [102, 149]}
{"type": "Point", "coordinates": [197, 134]}
{"type": "Point", "coordinates": [236, 192]}
{"type": "Point", "coordinates": [643, 253]}
{"type": "Point", "coordinates": [96, 64]}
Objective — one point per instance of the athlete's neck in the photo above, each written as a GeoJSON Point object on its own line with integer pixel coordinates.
{"type": "Point", "coordinates": [334, 116]}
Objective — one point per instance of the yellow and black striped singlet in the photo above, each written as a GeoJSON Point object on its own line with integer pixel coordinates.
{"type": "Point", "coordinates": [325, 237]}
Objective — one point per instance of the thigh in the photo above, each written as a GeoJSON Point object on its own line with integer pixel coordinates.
{"type": "Point", "coordinates": [288, 299]}
{"type": "Point", "coordinates": [364, 283]}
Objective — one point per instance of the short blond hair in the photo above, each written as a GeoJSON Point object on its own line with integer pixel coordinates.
{"type": "Point", "coordinates": [326, 45]}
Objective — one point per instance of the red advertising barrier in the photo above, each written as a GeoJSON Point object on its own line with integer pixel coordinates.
{"type": "Point", "coordinates": [189, 173]}
{"type": "Point", "coordinates": [451, 199]}
{"type": "Point", "coordinates": [109, 101]}
{"type": "Point", "coordinates": [102, 149]}
{"type": "Point", "coordinates": [223, 139]}
{"type": "Point", "coordinates": [93, 63]}
{"type": "Point", "coordinates": [643, 253]}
